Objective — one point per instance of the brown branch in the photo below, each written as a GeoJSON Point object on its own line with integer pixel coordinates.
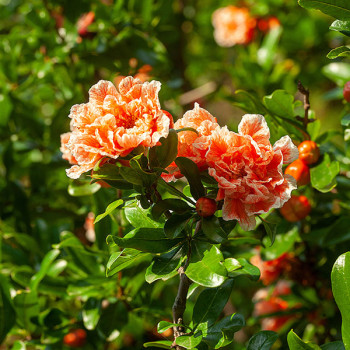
{"type": "Point", "coordinates": [179, 305]}
{"type": "Point", "coordinates": [305, 92]}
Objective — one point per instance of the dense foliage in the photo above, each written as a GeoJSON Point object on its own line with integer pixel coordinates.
{"type": "Point", "coordinates": [97, 262]}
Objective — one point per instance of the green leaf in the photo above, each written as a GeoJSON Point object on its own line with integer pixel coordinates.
{"type": "Point", "coordinates": [110, 173]}
{"type": "Point", "coordinates": [247, 102]}
{"type": "Point", "coordinates": [175, 224]}
{"type": "Point", "coordinates": [189, 341]}
{"type": "Point", "coordinates": [176, 205]}
{"type": "Point", "coordinates": [222, 333]}
{"type": "Point", "coordinates": [270, 230]}
{"type": "Point", "coordinates": [27, 308]}
{"type": "Point", "coordinates": [206, 265]}
{"type": "Point", "coordinates": [164, 266]}
{"type": "Point", "coordinates": [232, 264]}
{"type": "Point", "coordinates": [262, 340]}
{"type": "Point", "coordinates": [131, 175]}
{"type": "Point", "coordinates": [210, 303]}
{"type": "Point", "coordinates": [164, 155]}
{"type": "Point", "coordinates": [295, 343]}
{"type": "Point", "coordinates": [336, 345]}
{"type": "Point", "coordinates": [110, 208]}
{"type": "Point", "coordinates": [139, 217]}
{"type": "Point", "coordinates": [345, 120]}
{"type": "Point", "coordinates": [339, 72]}
{"type": "Point", "coordinates": [323, 175]}
{"type": "Point", "coordinates": [44, 268]}
{"type": "Point", "coordinates": [91, 313]}
{"type": "Point", "coordinates": [150, 240]}
{"type": "Point", "coordinates": [247, 269]}
{"type": "Point", "coordinates": [79, 188]}
{"type": "Point", "coordinates": [339, 9]}
{"type": "Point", "coordinates": [7, 312]}
{"type": "Point", "coordinates": [165, 325]}
{"type": "Point", "coordinates": [342, 51]}
{"type": "Point", "coordinates": [287, 235]}
{"type": "Point", "coordinates": [212, 229]}
{"type": "Point", "coordinates": [190, 170]}
{"type": "Point", "coordinates": [118, 261]}
{"type": "Point", "coordinates": [340, 286]}
{"type": "Point", "coordinates": [280, 103]}
{"type": "Point", "coordinates": [163, 344]}
{"type": "Point", "coordinates": [341, 26]}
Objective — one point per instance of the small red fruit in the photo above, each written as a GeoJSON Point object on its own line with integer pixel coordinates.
{"type": "Point", "coordinates": [300, 171]}
{"type": "Point", "coordinates": [75, 339]}
{"type": "Point", "coordinates": [309, 152]}
{"type": "Point", "coordinates": [346, 91]}
{"type": "Point", "coordinates": [206, 207]}
{"type": "Point", "coordinates": [296, 209]}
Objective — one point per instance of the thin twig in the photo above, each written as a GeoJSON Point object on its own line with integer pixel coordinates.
{"type": "Point", "coordinates": [179, 306]}
{"type": "Point", "coordinates": [305, 92]}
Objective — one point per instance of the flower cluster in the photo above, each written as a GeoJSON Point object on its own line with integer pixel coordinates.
{"type": "Point", "coordinates": [247, 168]}
{"type": "Point", "coordinates": [113, 123]}
{"type": "Point", "coordinates": [236, 26]}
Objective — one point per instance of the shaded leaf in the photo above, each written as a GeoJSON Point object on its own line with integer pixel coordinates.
{"type": "Point", "coordinates": [262, 340]}
{"type": "Point", "coordinates": [110, 208]}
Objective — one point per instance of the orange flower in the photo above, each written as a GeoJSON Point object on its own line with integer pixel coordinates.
{"type": "Point", "coordinates": [249, 170]}
{"type": "Point", "coordinates": [270, 270]}
{"type": "Point", "coordinates": [64, 149]}
{"type": "Point", "coordinates": [233, 25]}
{"type": "Point", "coordinates": [192, 145]}
{"type": "Point", "coordinates": [113, 123]}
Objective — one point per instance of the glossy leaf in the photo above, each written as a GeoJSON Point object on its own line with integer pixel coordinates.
{"type": "Point", "coordinates": [162, 344]}
{"type": "Point", "coordinates": [295, 343]}
{"type": "Point", "coordinates": [340, 286]}
{"type": "Point", "coordinates": [79, 188]}
{"type": "Point", "coordinates": [110, 208]}
{"type": "Point", "coordinates": [139, 217]}
{"type": "Point", "coordinates": [44, 268]}
{"type": "Point", "coordinates": [212, 229]}
{"type": "Point", "coordinates": [190, 170]}
{"type": "Point", "coordinates": [165, 325]}
{"type": "Point", "coordinates": [280, 103]}
{"type": "Point", "coordinates": [323, 175]}
{"type": "Point", "coordinates": [176, 224]}
{"type": "Point", "coordinates": [341, 26]}
{"type": "Point", "coordinates": [247, 269]}
{"type": "Point", "coordinates": [164, 266]}
{"type": "Point", "coordinates": [210, 303]}
{"type": "Point", "coordinates": [222, 333]}
{"type": "Point", "coordinates": [342, 51]}
{"type": "Point", "coordinates": [189, 341]}
{"type": "Point", "coordinates": [91, 313]}
{"type": "Point", "coordinates": [262, 340]}
{"type": "Point", "coordinates": [150, 240]}
{"type": "Point", "coordinates": [164, 155]}
{"type": "Point", "coordinates": [176, 205]}
{"type": "Point", "coordinates": [206, 265]}
{"type": "Point", "coordinates": [118, 261]}
{"type": "Point", "coordinates": [339, 9]}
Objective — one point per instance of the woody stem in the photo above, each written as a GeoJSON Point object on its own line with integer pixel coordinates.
{"type": "Point", "coordinates": [179, 305]}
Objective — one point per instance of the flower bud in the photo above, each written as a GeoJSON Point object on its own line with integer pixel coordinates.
{"type": "Point", "coordinates": [309, 152]}
{"type": "Point", "coordinates": [206, 207]}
